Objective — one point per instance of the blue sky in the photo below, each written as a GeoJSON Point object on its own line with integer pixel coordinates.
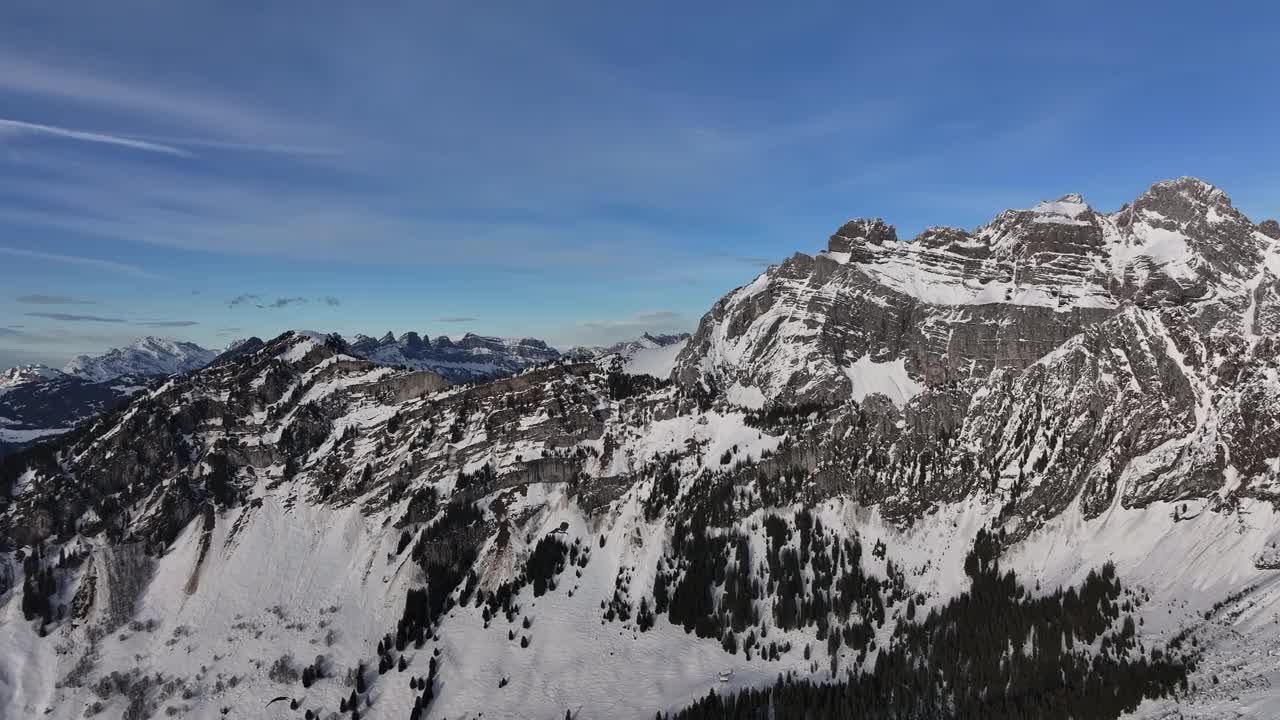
{"type": "Point", "coordinates": [577, 171]}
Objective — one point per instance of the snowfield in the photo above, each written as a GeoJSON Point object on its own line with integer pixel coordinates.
{"type": "Point", "coordinates": [327, 586]}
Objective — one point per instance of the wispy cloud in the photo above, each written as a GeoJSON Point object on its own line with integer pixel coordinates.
{"type": "Point", "coordinates": [108, 265]}
{"type": "Point", "coordinates": [69, 317]}
{"type": "Point", "coordinates": [646, 320]}
{"type": "Point", "coordinates": [656, 316]}
{"type": "Point", "coordinates": [258, 301]}
{"type": "Point", "coordinates": [10, 332]}
{"type": "Point", "coordinates": [456, 319]}
{"type": "Point", "coordinates": [209, 113]}
{"type": "Point", "coordinates": [168, 323]}
{"type": "Point", "coordinates": [284, 302]}
{"type": "Point", "coordinates": [230, 330]}
{"type": "Point", "coordinates": [18, 127]}
{"type": "Point", "coordinates": [243, 147]}
{"type": "Point", "coordinates": [52, 300]}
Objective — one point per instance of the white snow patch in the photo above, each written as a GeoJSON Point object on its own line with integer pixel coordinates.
{"type": "Point", "coordinates": [889, 379]}
{"type": "Point", "coordinates": [745, 396]}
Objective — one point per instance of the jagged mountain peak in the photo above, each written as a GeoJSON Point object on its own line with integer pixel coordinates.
{"type": "Point", "coordinates": [862, 230]}
{"type": "Point", "coordinates": [1067, 209]}
{"type": "Point", "coordinates": [1187, 199]}
{"type": "Point", "coordinates": [1190, 187]}
{"type": "Point", "coordinates": [23, 374]}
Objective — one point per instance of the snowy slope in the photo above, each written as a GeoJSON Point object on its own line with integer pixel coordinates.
{"type": "Point", "coordinates": [646, 355]}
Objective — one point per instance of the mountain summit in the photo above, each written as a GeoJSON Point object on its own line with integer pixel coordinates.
{"type": "Point", "coordinates": [151, 356]}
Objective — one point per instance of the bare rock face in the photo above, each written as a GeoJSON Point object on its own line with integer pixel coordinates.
{"type": "Point", "coordinates": [952, 305]}
{"type": "Point", "coordinates": [855, 234]}
{"type": "Point", "coordinates": [1124, 357]}
{"type": "Point", "coordinates": [948, 306]}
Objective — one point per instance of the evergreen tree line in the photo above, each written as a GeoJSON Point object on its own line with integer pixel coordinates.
{"type": "Point", "coordinates": [995, 651]}
{"type": "Point", "coordinates": [624, 385]}
{"type": "Point", "coordinates": [550, 557]}
{"type": "Point", "coordinates": [712, 586]}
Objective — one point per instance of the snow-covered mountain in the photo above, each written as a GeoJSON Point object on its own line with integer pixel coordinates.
{"type": "Point", "coordinates": [1025, 471]}
{"type": "Point", "coordinates": [148, 356]}
{"type": "Point", "coordinates": [473, 357]}
{"type": "Point", "coordinates": [952, 305]}
{"type": "Point", "coordinates": [24, 374]}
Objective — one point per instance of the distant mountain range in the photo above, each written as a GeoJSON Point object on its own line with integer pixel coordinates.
{"type": "Point", "coordinates": [38, 402]}
{"type": "Point", "coordinates": [471, 358]}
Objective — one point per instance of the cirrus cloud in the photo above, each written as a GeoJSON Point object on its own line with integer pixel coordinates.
{"type": "Point", "coordinates": [168, 323]}
{"type": "Point", "coordinates": [38, 299]}
{"type": "Point", "coordinates": [70, 317]}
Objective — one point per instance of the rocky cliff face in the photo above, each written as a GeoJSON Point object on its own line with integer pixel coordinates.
{"type": "Point", "coordinates": [952, 305]}
{"type": "Point", "coordinates": [1124, 356]}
